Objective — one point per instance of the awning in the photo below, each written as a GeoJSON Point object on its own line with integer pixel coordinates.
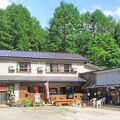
{"type": "Point", "coordinates": [54, 79]}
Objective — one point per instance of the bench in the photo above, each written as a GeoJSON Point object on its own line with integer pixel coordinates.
{"type": "Point", "coordinates": [64, 102]}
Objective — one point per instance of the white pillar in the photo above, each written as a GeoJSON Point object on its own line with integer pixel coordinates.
{"type": "Point", "coordinates": [16, 92]}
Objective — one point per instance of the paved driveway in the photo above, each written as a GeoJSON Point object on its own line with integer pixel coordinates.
{"type": "Point", "coordinates": [58, 113]}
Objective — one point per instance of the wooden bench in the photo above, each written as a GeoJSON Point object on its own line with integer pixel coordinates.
{"type": "Point", "coordinates": [64, 101]}
{"type": "Point", "coordinates": [58, 97]}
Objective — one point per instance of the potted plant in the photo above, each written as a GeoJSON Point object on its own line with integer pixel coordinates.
{"type": "Point", "coordinates": [84, 99]}
{"type": "Point", "coordinates": [10, 97]}
{"type": "Point", "coordinates": [25, 102]}
{"type": "Point", "coordinates": [9, 89]}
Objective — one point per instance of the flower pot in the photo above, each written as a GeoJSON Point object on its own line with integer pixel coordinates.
{"type": "Point", "coordinates": [84, 105]}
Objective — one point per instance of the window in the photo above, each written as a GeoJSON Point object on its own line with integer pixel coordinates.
{"type": "Point", "coordinates": [52, 67]}
{"type": "Point", "coordinates": [53, 90]}
{"type": "Point", "coordinates": [59, 68]}
{"type": "Point", "coordinates": [48, 67]}
{"type": "Point", "coordinates": [55, 67]}
{"type": "Point", "coordinates": [23, 67]}
{"type": "Point", "coordinates": [40, 89]}
{"type": "Point", "coordinates": [67, 68]}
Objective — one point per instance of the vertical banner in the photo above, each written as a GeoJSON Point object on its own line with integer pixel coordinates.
{"type": "Point", "coordinates": [47, 90]}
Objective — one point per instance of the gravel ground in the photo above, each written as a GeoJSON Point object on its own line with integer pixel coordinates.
{"type": "Point", "coordinates": [58, 113]}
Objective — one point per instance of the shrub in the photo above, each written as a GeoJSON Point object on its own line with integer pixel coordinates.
{"type": "Point", "coordinates": [25, 101]}
{"type": "Point", "coordinates": [29, 103]}
{"type": "Point", "coordinates": [41, 101]}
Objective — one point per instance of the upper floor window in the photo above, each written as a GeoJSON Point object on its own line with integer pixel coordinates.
{"type": "Point", "coordinates": [61, 68]}
{"type": "Point", "coordinates": [23, 67]}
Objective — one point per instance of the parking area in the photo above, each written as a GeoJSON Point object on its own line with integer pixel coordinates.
{"type": "Point", "coordinates": [58, 113]}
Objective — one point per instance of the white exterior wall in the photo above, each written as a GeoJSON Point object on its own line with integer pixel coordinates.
{"type": "Point", "coordinates": [4, 64]}
{"type": "Point", "coordinates": [16, 92]}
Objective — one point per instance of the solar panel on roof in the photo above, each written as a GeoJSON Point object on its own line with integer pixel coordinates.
{"type": "Point", "coordinates": [41, 55]}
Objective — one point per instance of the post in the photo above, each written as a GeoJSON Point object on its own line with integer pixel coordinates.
{"type": "Point", "coordinates": [16, 92]}
{"type": "Point", "coordinates": [47, 91]}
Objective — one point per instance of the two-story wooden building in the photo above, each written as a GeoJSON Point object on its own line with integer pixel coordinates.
{"type": "Point", "coordinates": [25, 70]}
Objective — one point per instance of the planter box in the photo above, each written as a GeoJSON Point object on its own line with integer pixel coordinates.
{"type": "Point", "coordinates": [37, 105]}
{"type": "Point", "coordinates": [14, 105]}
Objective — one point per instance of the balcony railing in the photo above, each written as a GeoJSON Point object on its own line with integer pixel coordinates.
{"type": "Point", "coordinates": [23, 70]}
{"type": "Point", "coordinates": [59, 71]}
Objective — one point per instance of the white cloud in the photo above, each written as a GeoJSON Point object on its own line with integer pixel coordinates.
{"type": "Point", "coordinates": [117, 12]}
{"type": "Point", "coordinates": [97, 7]}
{"type": "Point", "coordinates": [4, 3]}
{"type": "Point", "coordinates": [108, 12]}
{"type": "Point", "coordinates": [83, 11]}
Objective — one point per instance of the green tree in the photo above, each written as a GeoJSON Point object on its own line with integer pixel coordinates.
{"type": "Point", "coordinates": [98, 29]}
{"type": "Point", "coordinates": [117, 33]}
{"type": "Point", "coordinates": [106, 52]}
{"type": "Point", "coordinates": [21, 31]}
{"type": "Point", "coordinates": [85, 42]}
{"type": "Point", "coordinates": [63, 28]}
{"type": "Point", "coordinates": [97, 22]}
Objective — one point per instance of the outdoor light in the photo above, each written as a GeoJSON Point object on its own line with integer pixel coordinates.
{"type": "Point", "coordinates": [95, 93]}
{"type": "Point", "coordinates": [88, 94]}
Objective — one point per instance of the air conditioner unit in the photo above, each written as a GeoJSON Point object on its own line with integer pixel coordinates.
{"type": "Point", "coordinates": [74, 69]}
{"type": "Point", "coordinates": [39, 69]}
{"type": "Point", "coordinates": [11, 68]}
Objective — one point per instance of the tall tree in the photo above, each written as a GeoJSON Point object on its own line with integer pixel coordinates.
{"type": "Point", "coordinates": [63, 28]}
{"type": "Point", "coordinates": [105, 51]}
{"type": "Point", "coordinates": [117, 33]}
{"type": "Point", "coordinates": [20, 31]}
{"type": "Point", "coordinates": [97, 22]}
{"type": "Point", "coordinates": [85, 42]}
{"type": "Point", "coordinates": [98, 29]}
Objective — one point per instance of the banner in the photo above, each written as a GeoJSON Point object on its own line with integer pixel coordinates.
{"type": "Point", "coordinates": [47, 90]}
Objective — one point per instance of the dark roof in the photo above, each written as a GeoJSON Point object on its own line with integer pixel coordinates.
{"type": "Point", "coordinates": [12, 78]}
{"type": "Point", "coordinates": [41, 55]}
{"type": "Point", "coordinates": [94, 66]}
{"type": "Point", "coordinates": [107, 70]}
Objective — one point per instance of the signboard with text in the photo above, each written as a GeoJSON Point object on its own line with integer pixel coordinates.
{"type": "Point", "coordinates": [37, 98]}
{"type": "Point", "coordinates": [3, 89]}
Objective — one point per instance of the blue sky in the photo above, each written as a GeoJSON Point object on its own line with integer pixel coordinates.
{"type": "Point", "coordinates": [43, 10]}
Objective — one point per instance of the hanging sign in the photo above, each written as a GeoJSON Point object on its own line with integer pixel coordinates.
{"type": "Point", "coordinates": [3, 89]}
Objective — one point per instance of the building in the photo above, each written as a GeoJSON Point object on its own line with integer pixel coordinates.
{"type": "Point", "coordinates": [26, 70]}
{"type": "Point", "coordinates": [103, 83]}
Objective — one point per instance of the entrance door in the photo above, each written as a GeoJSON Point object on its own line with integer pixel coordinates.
{"type": "Point", "coordinates": [67, 91]}
{"type": "Point", "coordinates": [3, 97]}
